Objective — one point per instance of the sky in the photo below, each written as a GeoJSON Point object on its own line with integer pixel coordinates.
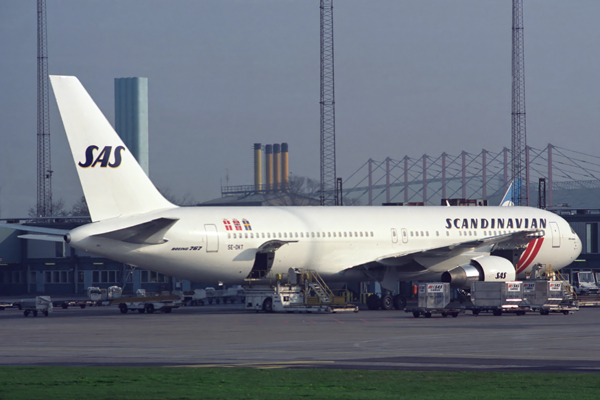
{"type": "Point", "coordinates": [411, 78]}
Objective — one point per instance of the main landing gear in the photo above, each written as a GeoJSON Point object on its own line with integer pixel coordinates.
{"type": "Point", "coordinates": [386, 302]}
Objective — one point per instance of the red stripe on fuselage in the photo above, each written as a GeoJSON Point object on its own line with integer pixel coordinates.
{"type": "Point", "coordinates": [526, 253]}
{"type": "Point", "coordinates": [537, 244]}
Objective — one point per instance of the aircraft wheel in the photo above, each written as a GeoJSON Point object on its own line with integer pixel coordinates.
{"type": "Point", "coordinates": [82, 305]}
{"type": "Point", "coordinates": [26, 313]}
{"type": "Point", "coordinates": [454, 314]}
{"type": "Point", "coordinates": [35, 313]}
{"type": "Point", "coordinates": [416, 314]}
{"type": "Point", "coordinates": [444, 314]}
{"type": "Point", "coordinates": [399, 302]}
{"type": "Point", "coordinates": [123, 308]}
{"type": "Point", "coordinates": [475, 312]}
{"type": "Point", "coordinates": [427, 315]}
{"type": "Point", "coordinates": [373, 302]}
{"type": "Point", "coordinates": [566, 312]}
{"type": "Point", "coordinates": [64, 306]}
{"type": "Point", "coordinates": [544, 312]}
{"type": "Point", "coordinates": [497, 313]}
{"type": "Point", "coordinates": [268, 305]}
{"type": "Point", "coordinates": [149, 308]}
{"type": "Point", "coordinates": [387, 302]}
{"type": "Point", "coordinates": [45, 312]}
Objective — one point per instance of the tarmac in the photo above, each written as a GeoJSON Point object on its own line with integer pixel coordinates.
{"type": "Point", "coordinates": [228, 336]}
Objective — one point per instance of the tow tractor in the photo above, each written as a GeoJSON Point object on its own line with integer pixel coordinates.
{"type": "Point", "coordinates": [302, 290]}
{"type": "Point", "coordinates": [142, 303]}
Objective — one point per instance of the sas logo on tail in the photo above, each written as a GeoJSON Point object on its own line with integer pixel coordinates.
{"type": "Point", "coordinates": [104, 157]}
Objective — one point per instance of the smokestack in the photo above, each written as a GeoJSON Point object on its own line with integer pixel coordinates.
{"type": "Point", "coordinates": [276, 167]}
{"type": "Point", "coordinates": [269, 166]}
{"type": "Point", "coordinates": [257, 167]}
{"type": "Point", "coordinates": [285, 168]}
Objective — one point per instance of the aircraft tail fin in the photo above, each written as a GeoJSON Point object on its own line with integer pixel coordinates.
{"type": "Point", "coordinates": [507, 200]}
{"type": "Point", "coordinates": [113, 182]}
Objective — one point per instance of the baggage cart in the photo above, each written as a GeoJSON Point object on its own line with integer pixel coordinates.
{"type": "Point", "coordinates": [433, 298]}
{"type": "Point", "coordinates": [39, 305]}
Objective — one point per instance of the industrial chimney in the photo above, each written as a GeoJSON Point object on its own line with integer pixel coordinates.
{"type": "Point", "coordinates": [276, 167]}
{"type": "Point", "coordinates": [285, 168]}
{"type": "Point", "coordinates": [257, 167]}
{"type": "Point", "coordinates": [269, 166]}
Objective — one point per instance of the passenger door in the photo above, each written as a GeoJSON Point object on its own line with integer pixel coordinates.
{"type": "Point", "coordinates": [212, 238]}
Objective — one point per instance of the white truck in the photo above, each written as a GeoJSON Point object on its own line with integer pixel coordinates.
{"type": "Point", "coordinates": [584, 282]}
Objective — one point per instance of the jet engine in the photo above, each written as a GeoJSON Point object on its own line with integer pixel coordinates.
{"type": "Point", "coordinates": [485, 268]}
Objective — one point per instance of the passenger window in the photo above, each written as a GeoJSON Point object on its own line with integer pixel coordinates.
{"type": "Point", "coordinates": [411, 233]}
{"type": "Point", "coordinates": [245, 235]}
{"type": "Point", "coordinates": [301, 234]}
{"type": "Point", "coordinates": [284, 234]}
{"type": "Point", "coordinates": [437, 233]}
{"type": "Point", "coordinates": [447, 233]}
{"type": "Point", "coordinates": [229, 236]}
{"type": "Point", "coordinates": [251, 235]}
{"type": "Point", "coordinates": [372, 234]}
{"type": "Point", "coordinates": [318, 234]}
{"type": "Point", "coordinates": [427, 233]}
{"type": "Point", "coordinates": [234, 236]}
{"type": "Point", "coordinates": [345, 234]}
{"type": "Point", "coordinates": [361, 234]}
{"type": "Point", "coordinates": [334, 234]}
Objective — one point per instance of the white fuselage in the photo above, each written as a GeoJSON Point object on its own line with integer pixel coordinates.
{"type": "Point", "coordinates": [219, 244]}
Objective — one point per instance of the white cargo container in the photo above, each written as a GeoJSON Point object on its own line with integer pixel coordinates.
{"type": "Point", "coordinates": [498, 297]}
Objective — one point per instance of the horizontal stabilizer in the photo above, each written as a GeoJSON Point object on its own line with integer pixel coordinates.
{"type": "Point", "coordinates": [46, 238]}
{"type": "Point", "coordinates": [37, 229]}
{"type": "Point", "coordinates": [151, 232]}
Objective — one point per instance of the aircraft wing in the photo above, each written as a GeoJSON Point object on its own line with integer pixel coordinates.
{"type": "Point", "coordinates": [507, 241]}
{"type": "Point", "coordinates": [271, 246]}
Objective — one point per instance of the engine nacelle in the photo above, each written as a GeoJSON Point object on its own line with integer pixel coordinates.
{"type": "Point", "coordinates": [485, 268]}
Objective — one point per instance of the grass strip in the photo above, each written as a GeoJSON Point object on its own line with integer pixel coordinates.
{"type": "Point", "coordinates": [160, 383]}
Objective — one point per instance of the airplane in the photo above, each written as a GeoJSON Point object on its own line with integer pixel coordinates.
{"type": "Point", "coordinates": [134, 224]}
